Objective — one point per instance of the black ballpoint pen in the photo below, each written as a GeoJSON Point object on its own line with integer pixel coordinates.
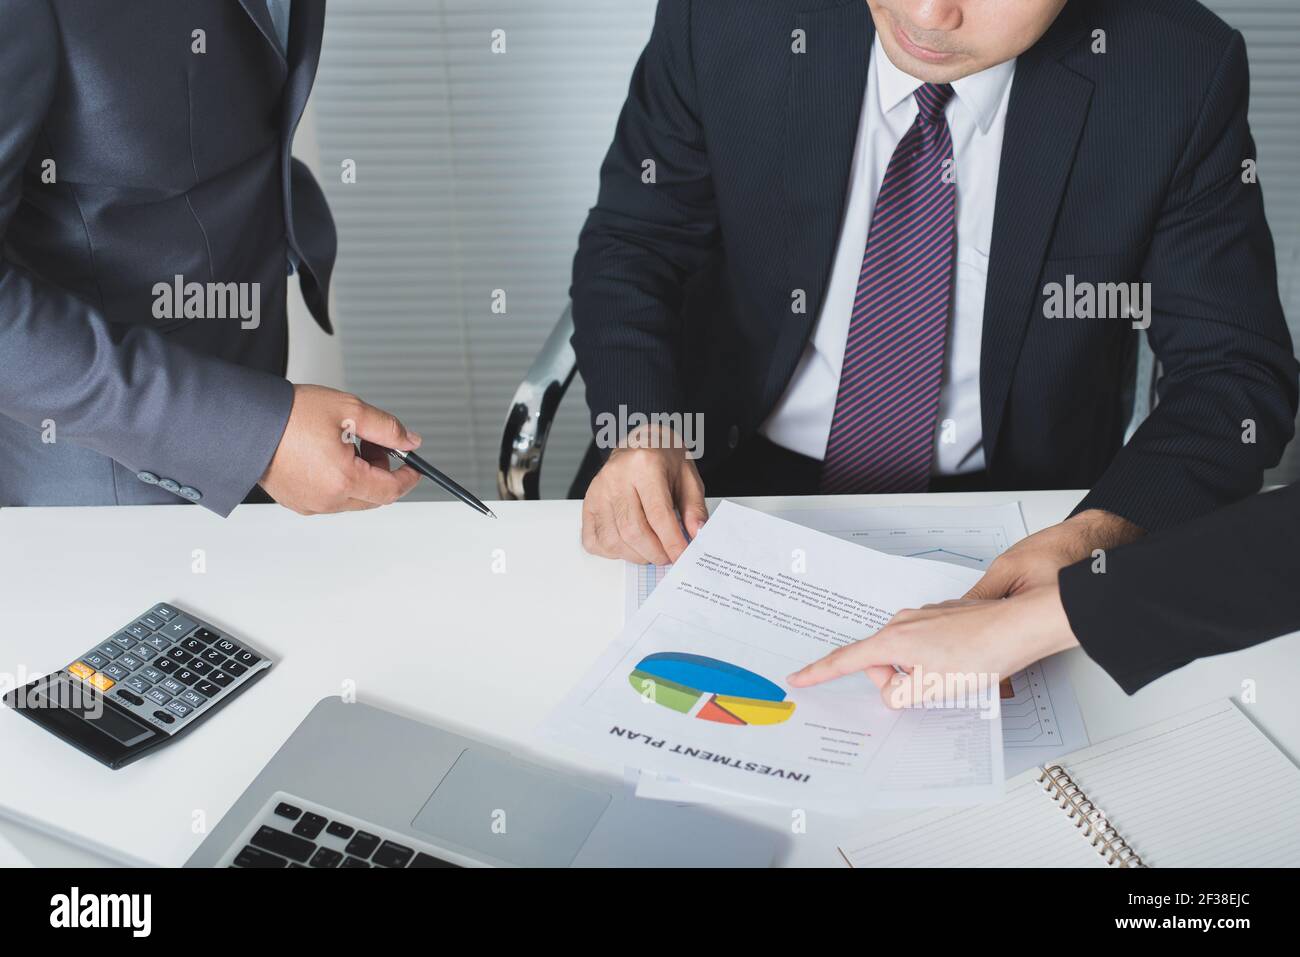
{"type": "Point", "coordinates": [428, 471]}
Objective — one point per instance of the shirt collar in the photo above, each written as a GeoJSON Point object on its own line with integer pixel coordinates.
{"type": "Point", "coordinates": [981, 92]}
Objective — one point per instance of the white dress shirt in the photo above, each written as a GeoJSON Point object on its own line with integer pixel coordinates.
{"type": "Point", "coordinates": [976, 118]}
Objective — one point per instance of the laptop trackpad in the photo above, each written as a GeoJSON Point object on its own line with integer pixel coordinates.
{"type": "Point", "coordinates": [511, 811]}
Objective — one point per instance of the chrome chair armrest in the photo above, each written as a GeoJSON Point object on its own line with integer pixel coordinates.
{"type": "Point", "coordinates": [532, 412]}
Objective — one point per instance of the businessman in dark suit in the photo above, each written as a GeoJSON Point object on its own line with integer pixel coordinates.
{"type": "Point", "coordinates": [149, 213]}
{"type": "Point", "coordinates": [868, 242]}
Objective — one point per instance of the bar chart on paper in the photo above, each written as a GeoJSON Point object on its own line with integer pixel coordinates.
{"type": "Point", "coordinates": [1040, 715]}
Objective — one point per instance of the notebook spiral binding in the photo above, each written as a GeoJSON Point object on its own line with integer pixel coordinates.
{"type": "Point", "coordinates": [1087, 817]}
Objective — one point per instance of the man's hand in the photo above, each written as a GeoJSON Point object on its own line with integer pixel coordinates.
{"type": "Point", "coordinates": [1034, 561]}
{"type": "Point", "coordinates": [629, 509]}
{"type": "Point", "coordinates": [994, 638]}
{"type": "Point", "coordinates": [317, 468]}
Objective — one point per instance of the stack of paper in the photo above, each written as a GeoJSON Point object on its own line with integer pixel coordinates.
{"type": "Point", "coordinates": [694, 689]}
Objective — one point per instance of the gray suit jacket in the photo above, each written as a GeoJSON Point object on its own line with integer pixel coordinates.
{"type": "Point", "coordinates": [134, 149]}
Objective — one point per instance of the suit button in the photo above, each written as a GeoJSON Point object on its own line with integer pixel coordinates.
{"type": "Point", "coordinates": [733, 437]}
{"type": "Point", "coordinates": [192, 494]}
{"type": "Point", "coordinates": [169, 485]}
{"type": "Point", "coordinates": [148, 478]}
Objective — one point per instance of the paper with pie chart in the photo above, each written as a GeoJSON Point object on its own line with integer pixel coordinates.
{"type": "Point", "coordinates": [1041, 718]}
{"type": "Point", "coordinates": [695, 688]}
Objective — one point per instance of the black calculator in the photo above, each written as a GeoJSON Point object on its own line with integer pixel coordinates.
{"type": "Point", "coordinates": [146, 685]}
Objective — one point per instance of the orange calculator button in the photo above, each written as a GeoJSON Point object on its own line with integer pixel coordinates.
{"type": "Point", "coordinates": [101, 681]}
{"type": "Point", "coordinates": [81, 670]}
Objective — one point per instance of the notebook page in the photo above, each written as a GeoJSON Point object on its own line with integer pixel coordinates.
{"type": "Point", "coordinates": [1204, 789]}
{"type": "Point", "coordinates": [1025, 829]}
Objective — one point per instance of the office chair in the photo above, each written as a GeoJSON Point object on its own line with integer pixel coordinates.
{"type": "Point", "coordinates": [532, 411]}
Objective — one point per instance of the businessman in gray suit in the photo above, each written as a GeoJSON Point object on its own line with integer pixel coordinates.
{"type": "Point", "coordinates": [150, 213]}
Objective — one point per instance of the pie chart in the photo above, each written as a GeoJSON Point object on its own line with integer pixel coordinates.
{"type": "Point", "coordinates": [709, 689]}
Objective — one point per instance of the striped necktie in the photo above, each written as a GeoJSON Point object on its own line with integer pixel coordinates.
{"type": "Point", "coordinates": [882, 432]}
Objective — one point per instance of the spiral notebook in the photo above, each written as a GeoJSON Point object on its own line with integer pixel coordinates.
{"type": "Point", "coordinates": [1204, 789]}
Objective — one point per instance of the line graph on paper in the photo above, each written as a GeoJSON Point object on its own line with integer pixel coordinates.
{"type": "Point", "coordinates": [1040, 715]}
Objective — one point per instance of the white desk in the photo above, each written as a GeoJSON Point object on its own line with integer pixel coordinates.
{"type": "Point", "coordinates": [404, 605]}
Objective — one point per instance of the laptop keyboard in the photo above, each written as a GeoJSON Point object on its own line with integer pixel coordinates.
{"type": "Point", "coordinates": [292, 832]}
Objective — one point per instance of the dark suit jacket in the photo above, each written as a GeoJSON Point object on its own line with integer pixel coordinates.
{"type": "Point", "coordinates": [1220, 583]}
{"type": "Point", "coordinates": [1117, 167]}
{"type": "Point", "coordinates": [167, 162]}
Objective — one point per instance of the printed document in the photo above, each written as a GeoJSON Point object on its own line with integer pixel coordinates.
{"type": "Point", "coordinates": [695, 687]}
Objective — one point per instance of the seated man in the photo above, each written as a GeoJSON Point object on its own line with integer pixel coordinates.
{"type": "Point", "coordinates": [899, 245]}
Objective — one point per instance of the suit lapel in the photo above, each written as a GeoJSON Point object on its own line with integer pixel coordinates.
{"type": "Point", "coordinates": [1045, 118]}
{"type": "Point", "coordinates": [306, 28]}
{"type": "Point", "coordinates": [826, 86]}
{"type": "Point", "coordinates": [260, 15]}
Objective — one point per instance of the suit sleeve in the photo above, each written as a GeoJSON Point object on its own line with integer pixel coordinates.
{"type": "Point", "coordinates": [653, 226]}
{"type": "Point", "coordinates": [1221, 583]}
{"type": "Point", "coordinates": [1217, 327]}
{"type": "Point", "coordinates": [124, 391]}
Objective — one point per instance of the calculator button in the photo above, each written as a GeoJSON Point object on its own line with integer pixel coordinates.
{"type": "Point", "coordinates": [140, 630]}
{"type": "Point", "coordinates": [179, 708]}
{"type": "Point", "coordinates": [144, 652]}
{"type": "Point", "coordinates": [95, 659]}
{"type": "Point", "coordinates": [220, 678]}
{"type": "Point", "coordinates": [171, 686]}
{"type": "Point", "coordinates": [109, 650]}
{"type": "Point", "coordinates": [164, 717]}
{"type": "Point", "coordinates": [125, 640]}
{"type": "Point", "coordinates": [117, 672]}
{"type": "Point", "coordinates": [339, 829]}
{"type": "Point", "coordinates": [288, 810]}
{"type": "Point", "coordinates": [136, 684]}
{"type": "Point", "coordinates": [193, 700]}
{"type": "Point", "coordinates": [150, 674]}
{"type": "Point", "coordinates": [199, 667]}
{"type": "Point", "coordinates": [179, 655]}
{"type": "Point", "coordinates": [205, 636]}
{"type": "Point", "coordinates": [101, 681]}
{"type": "Point", "coordinates": [363, 845]}
{"type": "Point", "coordinates": [234, 668]}
{"type": "Point", "coordinates": [158, 641]}
{"type": "Point", "coordinates": [178, 627]}
{"type": "Point", "coordinates": [165, 612]}
{"type": "Point", "coordinates": [193, 645]}
{"type": "Point", "coordinates": [206, 688]}
{"type": "Point", "coordinates": [213, 657]}
{"type": "Point", "coordinates": [166, 665]}
{"type": "Point", "coordinates": [157, 696]}
{"type": "Point", "coordinates": [127, 696]}
{"type": "Point", "coordinates": [392, 855]}
{"type": "Point", "coordinates": [152, 622]}
{"type": "Point", "coordinates": [325, 857]}
{"type": "Point", "coordinates": [185, 676]}
{"type": "Point", "coordinates": [309, 826]}
{"type": "Point", "coordinates": [80, 670]}
{"type": "Point", "coordinates": [246, 658]}
{"type": "Point", "coordinates": [226, 646]}
{"type": "Point", "coordinates": [129, 662]}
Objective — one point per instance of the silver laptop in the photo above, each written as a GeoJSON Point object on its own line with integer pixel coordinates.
{"type": "Point", "coordinates": [357, 786]}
